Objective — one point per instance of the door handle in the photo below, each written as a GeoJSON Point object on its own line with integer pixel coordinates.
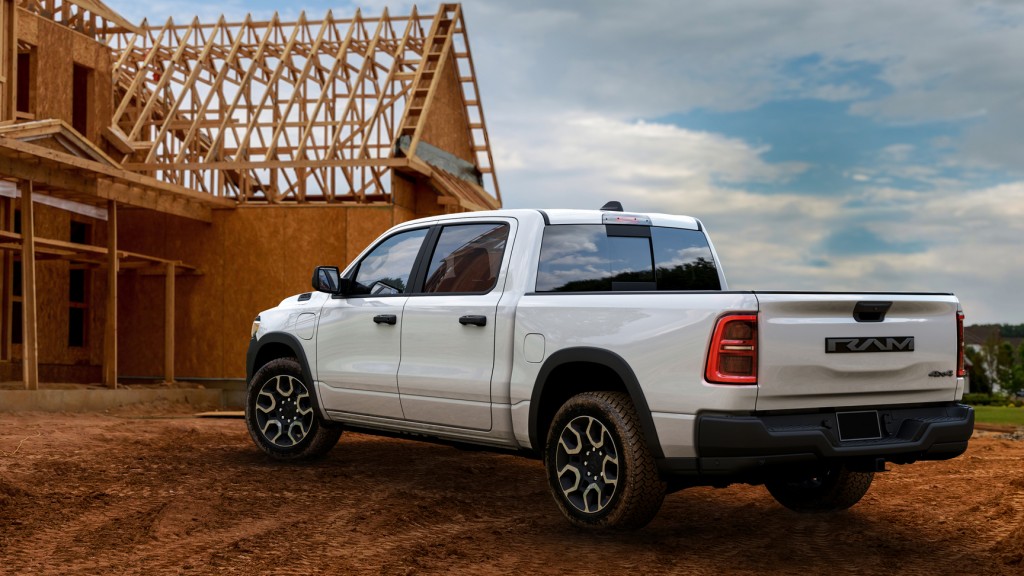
{"type": "Point", "coordinates": [474, 320]}
{"type": "Point", "coordinates": [385, 319]}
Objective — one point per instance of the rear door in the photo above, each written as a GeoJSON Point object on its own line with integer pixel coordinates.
{"type": "Point", "coordinates": [448, 329]}
{"type": "Point", "coordinates": [851, 350]}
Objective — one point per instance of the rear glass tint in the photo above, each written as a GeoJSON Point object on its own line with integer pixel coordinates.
{"type": "Point", "coordinates": [684, 260]}
{"type": "Point", "coordinates": [583, 258]}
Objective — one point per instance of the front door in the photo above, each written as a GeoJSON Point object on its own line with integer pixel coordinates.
{"type": "Point", "coordinates": [448, 328]}
{"type": "Point", "coordinates": [359, 336]}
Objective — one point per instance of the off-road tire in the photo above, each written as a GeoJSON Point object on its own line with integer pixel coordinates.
{"type": "Point", "coordinates": [833, 489]}
{"type": "Point", "coordinates": [297, 406]}
{"type": "Point", "coordinates": [637, 492]}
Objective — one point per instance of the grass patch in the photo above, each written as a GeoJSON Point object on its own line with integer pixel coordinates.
{"type": "Point", "coordinates": [999, 415]}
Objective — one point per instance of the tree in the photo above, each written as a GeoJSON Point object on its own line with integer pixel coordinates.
{"type": "Point", "coordinates": [980, 382]}
{"type": "Point", "coordinates": [1015, 385]}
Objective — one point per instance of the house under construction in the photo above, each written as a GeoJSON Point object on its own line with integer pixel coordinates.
{"type": "Point", "coordinates": [161, 184]}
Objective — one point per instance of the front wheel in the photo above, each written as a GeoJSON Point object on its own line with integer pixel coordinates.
{"type": "Point", "coordinates": [600, 470]}
{"type": "Point", "coordinates": [281, 417]}
{"type": "Point", "coordinates": [831, 489]}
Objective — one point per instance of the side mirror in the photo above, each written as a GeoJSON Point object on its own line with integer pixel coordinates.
{"type": "Point", "coordinates": [327, 279]}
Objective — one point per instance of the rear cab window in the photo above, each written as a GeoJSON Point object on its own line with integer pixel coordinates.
{"type": "Point", "coordinates": [617, 258]}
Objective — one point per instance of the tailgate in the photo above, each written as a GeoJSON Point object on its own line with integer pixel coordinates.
{"type": "Point", "coordinates": [831, 350]}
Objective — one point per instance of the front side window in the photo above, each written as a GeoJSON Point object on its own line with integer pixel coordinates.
{"type": "Point", "coordinates": [585, 258]}
{"type": "Point", "coordinates": [387, 268]}
{"type": "Point", "coordinates": [467, 259]}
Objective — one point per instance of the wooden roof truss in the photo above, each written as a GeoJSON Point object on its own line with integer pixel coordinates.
{"type": "Point", "coordinates": [279, 112]}
{"type": "Point", "coordinates": [90, 17]}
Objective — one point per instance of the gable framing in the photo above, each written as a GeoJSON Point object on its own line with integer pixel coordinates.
{"type": "Point", "coordinates": [291, 112]}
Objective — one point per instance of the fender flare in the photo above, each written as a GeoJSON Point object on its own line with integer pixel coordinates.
{"type": "Point", "coordinates": [609, 360]}
{"type": "Point", "coordinates": [298, 351]}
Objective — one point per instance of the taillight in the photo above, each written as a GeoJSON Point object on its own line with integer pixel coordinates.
{"type": "Point", "coordinates": [732, 358]}
{"type": "Point", "coordinates": [960, 371]}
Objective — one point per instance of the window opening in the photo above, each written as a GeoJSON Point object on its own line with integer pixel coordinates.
{"type": "Point", "coordinates": [467, 258]}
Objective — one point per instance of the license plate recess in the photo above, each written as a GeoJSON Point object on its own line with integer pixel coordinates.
{"type": "Point", "coordinates": [860, 425]}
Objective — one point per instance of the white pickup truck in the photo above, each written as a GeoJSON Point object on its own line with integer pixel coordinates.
{"type": "Point", "coordinates": [608, 344]}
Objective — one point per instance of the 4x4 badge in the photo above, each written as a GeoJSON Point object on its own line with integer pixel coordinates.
{"type": "Point", "coordinates": [870, 344]}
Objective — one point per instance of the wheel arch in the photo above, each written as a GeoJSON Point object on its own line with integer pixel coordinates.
{"type": "Point", "coordinates": [271, 347]}
{"type": "Point", "coordinates": [612, 373]}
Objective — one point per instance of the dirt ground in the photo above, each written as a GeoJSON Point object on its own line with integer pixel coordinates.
{"type": "Point", "coordinates": [144, 494]}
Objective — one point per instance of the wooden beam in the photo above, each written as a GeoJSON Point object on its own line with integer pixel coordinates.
{"type": "Point", "coordinates": [169, 324]}
{"type": "Point", "coordinates": [110, 334]}
{"type": "Point", "coordinates": [30, 344]}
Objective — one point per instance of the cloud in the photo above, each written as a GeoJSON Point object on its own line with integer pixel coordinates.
{"type": "Point", "coordinates": [859, 239]}
{"type": "Point", "coordinates": [572, 91]}
{"type": "Point", "coordinates": [629, 157]}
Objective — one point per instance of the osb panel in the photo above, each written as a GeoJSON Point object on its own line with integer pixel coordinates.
{"type": "Point", "coordinates": [51, 287]}
{"type": "Point", "coordinates": [363, 227]}
{"type": "Point", "coordinates": [447, 125]}
{"type": "Point", "coordinates": [403, 215]}
{"type": "Point", "coordinates": [58, 48]}
{"type": "Point", "coordinates": [403, 193]}
{"type": "Point", "coordinates": [426, 201]}
{"type": "Point", "coordinates": [10, 371]}
{"type": "Point", "coordinates": [251, 258]}
{"type": "Point", "coordinates": [28, 27]}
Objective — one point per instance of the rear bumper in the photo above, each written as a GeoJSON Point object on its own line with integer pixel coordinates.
{"type": "Point", "coordinates": [731, 444]}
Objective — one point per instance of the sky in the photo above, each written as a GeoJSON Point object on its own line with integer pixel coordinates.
{"type": "Point", "coordinates": [849, 146]}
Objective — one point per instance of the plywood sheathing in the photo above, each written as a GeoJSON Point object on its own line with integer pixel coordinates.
{"type": "Point", "coordinates": [8, 59]}
{"type": "Point", "coordinates": [57, 50]}
{"type": "Point", "coordinates": [90, 18]}
{"type": "Point", "coordinates": [251, 257]}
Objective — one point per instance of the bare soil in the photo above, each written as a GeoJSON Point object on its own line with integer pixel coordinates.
{"type": "Point", "coordinates": [137, 494]}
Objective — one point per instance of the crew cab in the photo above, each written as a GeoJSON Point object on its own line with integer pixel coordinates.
{"type": "Point", "coordinates": [609, 344]}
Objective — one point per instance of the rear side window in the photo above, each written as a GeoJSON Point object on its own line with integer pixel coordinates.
{"type": "Point", "coordinates": [585, 258]}
{"type": "Point", "coordinates": [684, 260]}
{"type": "Point", "coordinates": [466, 259]}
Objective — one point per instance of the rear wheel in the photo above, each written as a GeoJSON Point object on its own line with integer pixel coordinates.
{"type": "Point", "coordinates": [600, 470]}
{"type": "Point", "coordinates": [831, 489]}
{"type": "Point", "coordinates": [281, 416]}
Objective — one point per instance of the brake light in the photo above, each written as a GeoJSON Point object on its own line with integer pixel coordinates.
{"type": "Point", "coordinates": [960, 371]}
{"type": "Point", "coordinates": [732, 357]}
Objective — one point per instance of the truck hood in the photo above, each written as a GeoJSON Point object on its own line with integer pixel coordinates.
{"type": "Point", "coordinates": [305, 300]}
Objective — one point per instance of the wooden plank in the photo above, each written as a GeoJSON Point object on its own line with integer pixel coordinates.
{"type": "Point", "coordinates": [275, 77]}
{"type": "Point", "coordinates": [9, 41]}
{"type": "Point", "coordinates": [118, 139]}
{"type": "Point", "coordinates": [100, 169]}
{"type": "Point", "coordinates": [169, 324]}
{"type": "Point", "coordinates": [300, 81]}
{"type": "Point", "coordinates": [110, 334]}
{"type": "Point", "coordinates": [7, 296]}
{"type": "Point", "coordinates": [30, 344]}
{"type": "Point", "coordinates": [228, 62]}
{"type": "Point", "coordinates": [271, 164]}
{"type": "Point", "coordinates": [228, 114]}
{"type": "Point", "coordinates": [188, 85]}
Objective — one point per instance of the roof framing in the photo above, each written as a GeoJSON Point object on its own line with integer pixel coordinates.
{"type": "Point", "coordinates": [90, 17]}
{"type": "Point", "coordinates": [78, 171]}
{"type": "Point", "coordinates": [283, 112]}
